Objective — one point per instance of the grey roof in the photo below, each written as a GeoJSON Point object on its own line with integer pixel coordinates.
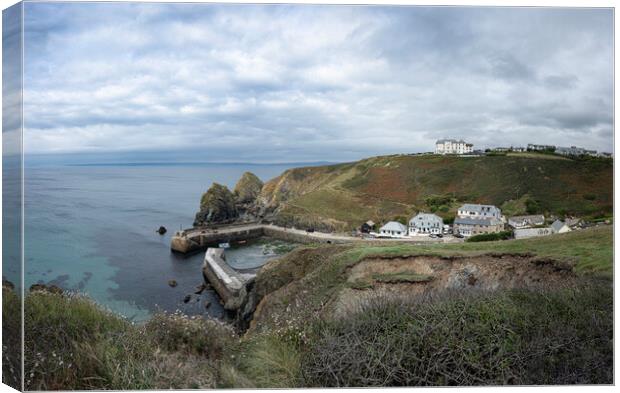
{"type": "Point", "coordinates": [557, 225]}
{"type": "Point", "coordinates": [479, 208]}
{"type": "Point", "coordinates": [477, 221]}
{"type": "Point", "coordinates": [426, 217]}
{"type": "Point", "coordinates": [533, 218]}
{"type": "Point", "coordinates": [394, 226]}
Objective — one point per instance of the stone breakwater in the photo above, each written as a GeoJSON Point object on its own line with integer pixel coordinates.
{"type": "Point", "coordinates": [229, 284]}
{"type": "Point", "coordinates": [199, 239]}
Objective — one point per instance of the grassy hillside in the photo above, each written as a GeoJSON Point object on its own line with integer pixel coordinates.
{"type": "Point", "coordinates": [557, 335]}
{"type": "Point", "coordinates": [313, 278]}
{"type": "Point", "coordinates": [391, 187]}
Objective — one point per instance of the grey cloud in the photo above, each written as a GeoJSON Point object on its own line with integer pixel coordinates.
{"type": "Point", "coordinates": [322, 83]}
{"type": "Point", "coordinates": [561, 81]}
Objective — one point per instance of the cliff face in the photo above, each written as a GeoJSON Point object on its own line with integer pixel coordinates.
{"type": "Point", "coordinates": [220, 206]}
{"type": "Point", "coordinates": [217, 205]}
{"type": "Point", "coordinates": [248, 188]}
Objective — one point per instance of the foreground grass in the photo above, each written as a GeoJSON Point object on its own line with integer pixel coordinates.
{"type": "Point", "coordinates": [502, 338]}
{"type": "Point", "coordinates": [11, 340]}
{"type": "Point", "coordinates": [511, 337]}
{"type": "Point", "coordinates": [73, 344]}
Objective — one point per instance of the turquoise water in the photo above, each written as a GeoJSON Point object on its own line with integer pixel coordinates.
{"type": "Point", "coordinates": [92, 228]}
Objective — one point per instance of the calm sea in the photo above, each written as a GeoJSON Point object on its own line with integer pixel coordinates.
{"type": "Point", "coordinates": [92, 228]}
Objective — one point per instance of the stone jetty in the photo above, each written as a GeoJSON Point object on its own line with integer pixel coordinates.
{"type": "Point", "coordinates": [227, 282]}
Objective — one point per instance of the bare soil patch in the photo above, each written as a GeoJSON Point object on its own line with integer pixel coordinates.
{"type": "Point", "coordinates": [420, 275]}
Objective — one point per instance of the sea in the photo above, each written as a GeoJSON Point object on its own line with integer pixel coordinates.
{"type": "Point", "coordinates": [91, 228]}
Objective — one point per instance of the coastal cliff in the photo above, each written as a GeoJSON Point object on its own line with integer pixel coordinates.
{"type": "Point", "coordinates": [340, 197]}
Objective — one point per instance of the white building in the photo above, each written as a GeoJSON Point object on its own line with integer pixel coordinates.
{"type": "Point", "coordinates": [425, 224]}
{"type": "Point", "coordinates": [477, 226]}
{"type": "Point", "coordinates": [519, 222]}
{"type": "Point", "coordinates": [560, 227]}
{"type": "Point", "coordinates": [471, 210]}
{"type": "Point", "coordinates": [393, 229]}
{"type": "Point", "coordinates": [452, 146]}
{"type": "Point", "coordinates": [570, 151]}
{"type": "Point", "coordinates": [532, 147]}
{"type": "Point", "coordinates": [525, 233]}
{"type": "Point", "coordinates": [473, 219]}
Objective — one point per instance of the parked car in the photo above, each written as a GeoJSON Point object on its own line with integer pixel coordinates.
{"type": "Point", "coordinates": [458, 235]}
{"type": "Point", "coordinates": [439, 235]}
{"type": "Point", "coordinates": [310, 230]}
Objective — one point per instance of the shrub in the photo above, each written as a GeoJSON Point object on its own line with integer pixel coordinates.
{"type": "Point", "coordinates": [11, 339]}
{"type": "Point", "coordinates": [448, 220]}
{"type": "Point", "coordinates": [268, 360]}
{"type": "Point", "coordinates": [532, 206]}
{"type": "Point", "coordinates": [191, 335]}
{"type": "Point", "coordinates": [512, 337]}
{"type": "Point", "coordinates": [71, 343]}
{"type": "Point", "coordinates": [486, 237]}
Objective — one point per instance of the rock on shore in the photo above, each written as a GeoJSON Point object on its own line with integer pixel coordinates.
{"type": "Point", "coordinates": [217, 205]}
{"type": "Point", "coordinates": [248, 188]}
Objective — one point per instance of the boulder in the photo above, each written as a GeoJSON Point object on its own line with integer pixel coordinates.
{"type": "Point", "coordinates": [207, 304]}
{"type": "Point", "coordinates": [172, 283]}
{"type": "Point", "coordinates": [187, 298]}
{"type": "Point", "coordinates": [248, 188]}
{"type": "Point", "coordinates": [200, 288]}
{"type": "Point", "coordinates": [162, 230]}
{"type": "Point", "coordinates": [217, 205]}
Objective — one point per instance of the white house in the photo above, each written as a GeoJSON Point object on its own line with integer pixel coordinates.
{"type": "Point", "coordinates": [524, 233]}
{"type": "Point", "coordinates": [452, 146]}
{"type": "Point", "coordinates": [570, 151]}
{"type": "Point", "coordinates": [477, 226]}
{"type": "Point", "coordinates": [393, 229]}
{"type": "Point", "coordinates": [533, 147]}
{"type": "Point", "coordinates": [425, 224]}
{"type": "Point", "coordinates": [473, 219]}
{"type": "Point", "coordinates": [519, 222]}
{"type": "Point", "coordinates": [560, 227]}
{"type": "Point", "coordinates": [471, 210]}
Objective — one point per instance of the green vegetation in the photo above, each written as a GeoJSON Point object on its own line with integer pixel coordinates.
{"type": "Point", "coordinates": [395, 278]}
{"type": "Point", "coordinates": [487, 237]}
{"type": "Point", "coordinates": [591, 250]}
{"type": "Point", "coordinates": [360, 285]}
{"type": "Point", "coordinates": [247, 188]}
{"type": "Point", "coordinates": [71, 343]}
{"type": "Point", "coordinates": [11, 339]}
{"type": "Point", "coordinates": [320, 272]}
{"type": "Point", "coordinates": [303, 336]}
{"type": "Point", "coordinates": [340, 197]}
{"type": "Point", "coordinates": [512, 337]}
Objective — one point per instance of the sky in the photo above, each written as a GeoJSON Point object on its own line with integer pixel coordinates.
{"type": "Point", "coordinates": [300, 83]}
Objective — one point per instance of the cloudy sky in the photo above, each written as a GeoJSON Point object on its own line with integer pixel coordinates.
{"type": "Point", "coordinates": [311, 83]}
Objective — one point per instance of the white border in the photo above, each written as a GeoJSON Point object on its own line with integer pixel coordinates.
{"type": "Point", "coordinates": [506, 3]}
